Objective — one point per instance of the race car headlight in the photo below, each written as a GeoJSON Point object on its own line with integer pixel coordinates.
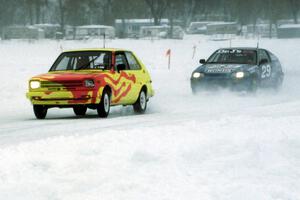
{"type": "Point", "coordinates": [240, 75]}
{"type": "Point", "coordinates": [35, 84]}
{"type": "Point", "coordinates": [197, 75]}
{"type": "Point", "coordinates": [89, 83]}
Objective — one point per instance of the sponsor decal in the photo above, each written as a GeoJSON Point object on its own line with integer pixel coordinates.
{"type": "Point", "coordinates": [230, 51]}
{"type": "Point", "coordinates": [266, 71]}
{"type": "Point", "coordinates": [219, 69]}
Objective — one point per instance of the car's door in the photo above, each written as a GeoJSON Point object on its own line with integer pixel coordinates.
{"type": "Point", "coordinates": [125, 79]}
{"type": "Point", "coordinates": [265, 66]}
{"type": "Point", "coordinates": [138, 72]}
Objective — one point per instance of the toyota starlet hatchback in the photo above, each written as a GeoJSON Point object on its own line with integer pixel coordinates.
{"type": "Point", "coordinates": [92, 79]}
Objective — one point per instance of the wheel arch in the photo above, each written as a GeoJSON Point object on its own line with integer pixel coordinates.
{"type": "Point", "coordinates": [143, 88]}
{"type": "Point", "coordinates": [107, 88]}
{"type": "Point", "coordinates": [100, 92]}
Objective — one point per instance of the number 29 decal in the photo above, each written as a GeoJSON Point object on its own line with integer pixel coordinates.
{"type": "Point", "coordinates": [266, 71]}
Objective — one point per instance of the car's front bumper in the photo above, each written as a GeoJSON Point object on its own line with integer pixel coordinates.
{"type": "Point", "coordinates": [61, 98]}
{"type": "Point", "coordinates": [208, 83]}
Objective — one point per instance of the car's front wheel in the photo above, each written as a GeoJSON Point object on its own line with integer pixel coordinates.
{"type": "Point", "coordinates": [80, 110]}
{"type": "Point", "coordinates": [104, 106]}
{"type": "Point", "coordinates": [40, 111]}
{"type": "Point", "coordinates": [253, 85]}
{"type": "Point", "coordinates": [195, 91]}
{"type": "Point", "coordinates": [141, 104]}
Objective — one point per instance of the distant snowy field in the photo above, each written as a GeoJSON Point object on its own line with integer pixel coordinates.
{"type": "Point", "coordinates": [213, 146]}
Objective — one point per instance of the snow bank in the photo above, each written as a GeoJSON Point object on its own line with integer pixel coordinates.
{"type": "Point", "coordinates": [247, 157]}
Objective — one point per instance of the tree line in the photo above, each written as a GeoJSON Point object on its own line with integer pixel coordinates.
{"type": "Point", "coordinates": [83, 12]}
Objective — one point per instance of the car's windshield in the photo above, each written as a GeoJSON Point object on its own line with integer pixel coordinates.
{"type": "Point", "coordinates": [83, 60]}
{"type": "Point", "coordinates": [234, 56]}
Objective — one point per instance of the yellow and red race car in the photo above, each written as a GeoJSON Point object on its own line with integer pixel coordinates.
{"type": "Point", "coordinates": [94, 79]}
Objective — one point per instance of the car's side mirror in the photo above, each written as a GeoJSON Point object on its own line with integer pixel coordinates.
{"type": "Point", "coordinates": [121, 67]}
{"type": "Point", "coordinates": [202, 61]}
{"type": "Point", "coordinates": [263, 61]}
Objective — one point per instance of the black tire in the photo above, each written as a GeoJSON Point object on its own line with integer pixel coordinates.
{"type": "Point", "coordinates": [104, 106]}
{"type": "Point", "coordinates": [80, 110]}
{"type": "Point", "coordinates": [40, 111]}
{"type": "Point", "coordinates": [278, 83]}
{"type": "Point", "coordinates": [253, 85]}
{"type": "Point", "coordinates": [195, 91]}
{"type": "Point", "coordinates": [140, 105]}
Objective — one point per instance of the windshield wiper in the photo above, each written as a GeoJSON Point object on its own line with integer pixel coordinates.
{"type": "Point", "coordinates": [87, 64]}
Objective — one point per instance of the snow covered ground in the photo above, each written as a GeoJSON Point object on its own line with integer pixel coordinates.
{"type": "Point", "coordinates": [212, 146]}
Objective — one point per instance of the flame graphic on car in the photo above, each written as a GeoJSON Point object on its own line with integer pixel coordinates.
{"type": "Point", "coordinates": [120, 86]}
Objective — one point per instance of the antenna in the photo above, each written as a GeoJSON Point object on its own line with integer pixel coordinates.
{"type": "Point", "coordinates": [104, 38]}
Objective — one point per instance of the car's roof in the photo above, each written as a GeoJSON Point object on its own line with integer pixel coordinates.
{"type": "Point", "coordinates": [244, 48]}
{"type": "Point", "coordinates": [96, 49]}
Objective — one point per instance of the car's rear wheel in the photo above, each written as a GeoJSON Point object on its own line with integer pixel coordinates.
{"type": "Point", "coordinates": [278, 83]}
{"type": "Point", "coordinates": [104, 106]}
{"type": "Point", "coordinates": [141, 104]}
{"type": "Point", "coordinates": [80, 110]}
{"type": "Point", "coordinates": [40, 111]}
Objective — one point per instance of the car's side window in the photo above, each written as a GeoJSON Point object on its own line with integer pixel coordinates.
{"type": "Point", "coordinates": [273, 57]}
{"type": "Point", "coordinates": [121, 60]}
{"type": "Point", "coordinates": [101, 61]}
{"type": "Point", "coordinates": [263, 55]}
{"type": "Point", "coordinates": [64, 64]}
{"type": "Point", "coordinates": [133, 63]}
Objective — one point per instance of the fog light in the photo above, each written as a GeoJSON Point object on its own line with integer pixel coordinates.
{"type": "Point", "coordinates": [85, 96]}
{"type": "Point", "coordinates": [36, 98]}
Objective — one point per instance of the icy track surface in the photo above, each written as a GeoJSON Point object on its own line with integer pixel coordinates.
{"type": "Point", "coordinates": [215, 146]}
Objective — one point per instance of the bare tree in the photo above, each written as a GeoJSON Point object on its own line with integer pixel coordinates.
{"type": "Point", "coordinates": [158, 8]}
{"type": "Point", "coordinates": [106, 6]}
{"type": "Point", "coordinates": [77, 12]}
{"type": "Point", "coordinates": [189, 9]}
{"type": "Point", "coordinates": [295, 7]}
{"type": "Point", "coordinates": [62, 11]}
{"type": "Point", "coordinates": [273, 13]}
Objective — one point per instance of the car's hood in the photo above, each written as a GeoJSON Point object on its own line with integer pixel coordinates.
{"type": "Point", "coordinates": [67, 76]}
{"type": "Point", "coordinates": [224, 68]}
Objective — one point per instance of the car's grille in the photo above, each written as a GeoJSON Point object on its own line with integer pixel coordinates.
{"type": "Point", "coordinates": [61, 84]}
{"type": "Point", "coordinates": [217, 75]}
